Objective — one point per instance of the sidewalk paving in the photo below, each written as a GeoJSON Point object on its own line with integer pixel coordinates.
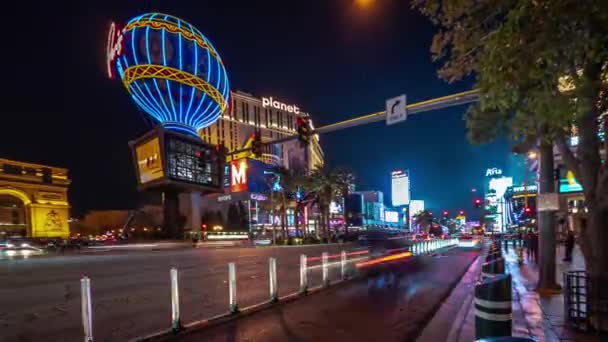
{"type": "Point", "coordinates": [534, 316]}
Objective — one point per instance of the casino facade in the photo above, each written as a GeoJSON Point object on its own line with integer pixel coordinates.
{"type": "Point", "coordinates": [246, 187]}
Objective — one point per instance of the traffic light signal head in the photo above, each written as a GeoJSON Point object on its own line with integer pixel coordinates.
{"type": "Point", "coordinates": [461, 212]}
{"type": "Point", "coordinates": [201, 158]}
{"type": "Point", "coordinates": [477, 203]}
{"type": "Point", "coordinates": [304, 130]}
{"type": "Point", "coordinates": [445, 213]}
{"type": "Point", "coordinates": [256, 146]}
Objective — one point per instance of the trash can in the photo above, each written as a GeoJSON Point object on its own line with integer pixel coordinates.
{"type": "Point", "coordinates": [493, 307]}
{"type": "Point", "coordinates": [576, 309]}
{"type": "Point", "coordinates": [491, 268]}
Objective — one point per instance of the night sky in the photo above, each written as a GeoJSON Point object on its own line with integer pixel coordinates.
{"type": "Point", "coordinates": [331, 58]}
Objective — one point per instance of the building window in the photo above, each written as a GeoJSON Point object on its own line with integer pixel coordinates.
{"type": "Point", "coordinates": [266, 117]}
{"type": "Point", "coordinates": [246, 116]}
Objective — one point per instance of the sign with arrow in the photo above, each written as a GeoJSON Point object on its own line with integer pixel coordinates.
{"type": "Point", "coordinates": [396, 110]}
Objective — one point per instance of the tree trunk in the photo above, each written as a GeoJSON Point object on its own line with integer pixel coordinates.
{"type": "Point", "coordinates": [546, 224]}
{"type": "Point", "coordinates": [594, 247]}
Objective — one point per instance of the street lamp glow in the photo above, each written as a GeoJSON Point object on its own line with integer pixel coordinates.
{"type": "Point", "coordinates": [364, 3]}
{"type": "Point", "coordinates": [532, 155]}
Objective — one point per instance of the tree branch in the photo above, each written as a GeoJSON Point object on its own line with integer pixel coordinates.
{"type": "Point", "coordinates": [570, 159]}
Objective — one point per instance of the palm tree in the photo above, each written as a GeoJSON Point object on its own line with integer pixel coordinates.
{"type": "Point", "coordinates": [346, 185]}
{"type": "Point", "coordinates": [424, 219]}
{"type": "Point", "coordinates": [325, 183]}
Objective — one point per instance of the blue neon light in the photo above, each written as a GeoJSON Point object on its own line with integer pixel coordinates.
{"type": "Point", "coordinates": [182, 47]}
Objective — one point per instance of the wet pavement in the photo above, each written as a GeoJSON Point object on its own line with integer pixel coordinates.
{"type": "Point", "coordinates": [535, 316]}
{"type": "Point", "coordinates": [393, 303]}
{"type": "Point", "coordinates": [40, 297]}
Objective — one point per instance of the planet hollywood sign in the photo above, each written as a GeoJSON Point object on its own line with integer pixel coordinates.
{"type": "Point", "coordinates": [270, 102]}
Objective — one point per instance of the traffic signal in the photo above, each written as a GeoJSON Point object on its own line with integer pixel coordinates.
{"type": "Point", "coordinates": [461, 213]}
{"type": "Point", "coordinates": [527, 211]}
{"type": "Point", "coordinates": [304, 130]}
{"type": "Point", "coordinates": [445, 213]}
{"type": "Point", "coordinates": [256, 146]}
{"type": "Point", "coordinates": [477, 203]}
{"type": "Point", "coordinates": [201, 159]}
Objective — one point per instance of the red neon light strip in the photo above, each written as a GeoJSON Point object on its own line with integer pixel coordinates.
{"type": "Point", "coordinates": [384, 259]}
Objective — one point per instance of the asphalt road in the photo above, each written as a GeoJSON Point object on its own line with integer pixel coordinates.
{"type": "Point", "coordinates": [40, 297]}
{"type": "Point", "coordinates": [393, 303]}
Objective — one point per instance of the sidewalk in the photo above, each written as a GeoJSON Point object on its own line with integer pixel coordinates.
{"type": "Point", "coordinates": [535, 316]}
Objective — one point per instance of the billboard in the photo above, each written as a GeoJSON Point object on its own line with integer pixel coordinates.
{"type": "Point", "coordinates": [400, 188]}
{"type": "Point", "coordinates": [391, 216]}
{"type": "Point", "coordinates": [149, 161]}
{"type": "Point", "coordinates": [569, 184]}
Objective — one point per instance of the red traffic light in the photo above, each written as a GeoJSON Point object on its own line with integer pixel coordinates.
{"type": "Point", "coordinates": [527, 209]}
{"type": "Point", "coordinates": [461, 212]}
{"type": "Point", "coordinates": [445, 213]}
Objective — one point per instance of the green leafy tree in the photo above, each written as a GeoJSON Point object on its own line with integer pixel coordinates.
{"type": "Point", "coordinates": [541, 68]}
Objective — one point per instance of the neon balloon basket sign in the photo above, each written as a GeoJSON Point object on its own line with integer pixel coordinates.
{"type": "Point", "coordinates": [170, 69]}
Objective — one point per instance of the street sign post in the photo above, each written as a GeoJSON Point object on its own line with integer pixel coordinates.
{"type": "Point", "coordinates": [396, 110]}
{"type": "Point", "coordinates": [548, 201]}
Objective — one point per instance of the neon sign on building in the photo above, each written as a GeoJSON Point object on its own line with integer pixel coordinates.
{"type": "Point", "coordinates": [269, 102]}
{"type": "Point", "coordinates": [238, 175]}
{"type": "Point", "coordinates": [114, 48]}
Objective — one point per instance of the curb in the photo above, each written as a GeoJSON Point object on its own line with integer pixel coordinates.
{"type": "Point", "coordinates": [197, 326]}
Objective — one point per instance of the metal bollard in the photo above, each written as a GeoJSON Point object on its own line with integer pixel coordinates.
{"type": "Point", "coordinates": [324, 258]}
{"type": "Point", "coordinates": [492, 268]}
{"type": "Point", "coordinates": [493, 307]}
{"type": "Point", "coordinates": [343, 265]}
{"type": "Point", "coordinates": [303, 275]}
{"type": "Point", "coordinates": [272, 271]}
{"type": "Point", "coordinates": [175, 319]}
{"type": "Point", "coordinates": [87, 314]}
{"type": "Point", "coordinates": [234, 308]}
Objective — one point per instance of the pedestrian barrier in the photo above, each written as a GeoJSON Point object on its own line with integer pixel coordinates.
{"type": "Point", "coordinates": [87, 314]}
{"type": "Point", "coordinates": [303, 275]}
{"type": "Point", "coordinates": [418, 248]}
{"type": "Point", "coordinates": [272, 272]}
{"type": "Point", "coordinates": [175, 318]}
{"type": "Point", "coordinates": [491, 268]}
{"type": "Point", "coordinates": [493, 307]}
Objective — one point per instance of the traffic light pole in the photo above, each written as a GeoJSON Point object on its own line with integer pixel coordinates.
{"type": "Point", "coordinates": [415, 108]}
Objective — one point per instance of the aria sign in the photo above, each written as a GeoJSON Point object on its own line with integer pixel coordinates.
{"type": "Point", "coordinates": [269, 102]}
{"type": "Point", "coordinates": [114, 48]}
{"type": "Point", "coordinates": [493, 172]}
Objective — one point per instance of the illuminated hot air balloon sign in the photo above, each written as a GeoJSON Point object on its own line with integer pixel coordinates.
{"type": "Point", "coordinates": [170, 69]}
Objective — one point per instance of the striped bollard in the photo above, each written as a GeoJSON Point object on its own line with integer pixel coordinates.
{"type": "Point", "coordinates": [493, 307]}
{"type": "Point", "coordinates": [87, 314]}
{"type": "Point", "coordinates": [343, 265]}
{"type": "Point", "coordinates": [175, 317]}
{"type": "Point", "coordinates": [233, 306]}
{"type": "Point", "coordinates": [325, 266]}
{"type": "Point", "coordinates": [303, 275]}
{"type": "Point", "coordinates": [272, 272]}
